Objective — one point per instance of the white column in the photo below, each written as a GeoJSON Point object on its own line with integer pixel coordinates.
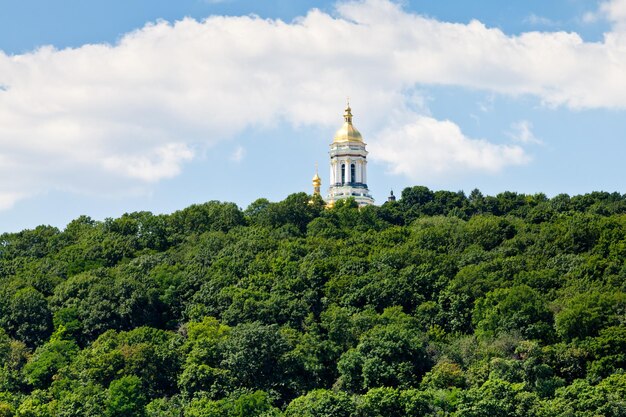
{"type": "Point", "coordinates": [364, 171]}
{"type": "Point", "coordinates": [338, 170]}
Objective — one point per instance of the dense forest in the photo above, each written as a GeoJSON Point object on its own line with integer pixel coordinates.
{"type": "Point", "coordinates": [439, 304]}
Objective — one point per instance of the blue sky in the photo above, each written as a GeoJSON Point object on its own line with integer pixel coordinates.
{"type": "Point", "coordinates": [113, 106]}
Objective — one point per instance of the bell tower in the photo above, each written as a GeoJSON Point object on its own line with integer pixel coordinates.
{"type": "Point", "coordinates": [348, 165]}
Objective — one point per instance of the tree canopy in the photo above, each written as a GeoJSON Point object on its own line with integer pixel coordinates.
{"type": "Point", "coordinates": [438, 304]}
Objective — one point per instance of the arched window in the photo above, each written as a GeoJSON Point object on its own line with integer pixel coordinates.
{"type": "Point", "coordinates": [352, 173]}
{"type": "Point", "coordinates": [343, 174]}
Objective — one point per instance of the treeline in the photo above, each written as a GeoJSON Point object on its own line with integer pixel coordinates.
{"type": "Point", "coordinates": [439, 304]}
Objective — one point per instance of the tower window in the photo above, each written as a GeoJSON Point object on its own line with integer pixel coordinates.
{"type": "Point", "coordinates": [343, 173]}
{"type": "Point", "coordinates": [352, 173]}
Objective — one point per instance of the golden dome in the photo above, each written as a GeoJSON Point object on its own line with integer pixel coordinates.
{"type": "Point", "coordinates": [347, 132]}
{"type": "Point", "coordinates": [317, 180]}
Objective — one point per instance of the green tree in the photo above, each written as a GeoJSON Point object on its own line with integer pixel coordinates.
{"type": "Point", "coordinates": [583, 399]}
{"type": "Point", "coordinates": [498, 398]}
{"type": "Point", "coordinates": [381, 402]}
{"type": "Point", "coordinates": [321, 403]}
{"type": "Point", "coordinates": [586, 314]}
{"type": "Point", "coordinates": [37, 404]}
{"type": "Point", "coordinates": [201, 371]}
{"type": "Point", "coordinates": [516, 309]}
{"type": "Point", "coordinates": [125, 398]}
{"type": "Point", "coordinates": [489, 231]}
{"type": "Point", "coordinates": [29, 318]}
{"type": "Point", "coordinates": [165, 407]}
{"type": "Point", "coordinates": [609, 352]}
{"type": "Point", "coordinates": [256, 357]}
{"type": "Point", "coordinates": [80, 399]}
{"type": "Point", "coordinates": [392, 355]}
{"type": "Point", "coordinates": [248, 404]}
{"type": "Point", "coordinates": [47, 360]}
{"type": "Point", "coordinates": [445, 374]}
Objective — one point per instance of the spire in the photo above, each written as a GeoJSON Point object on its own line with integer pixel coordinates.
{"type": "Point", "coordinates": [317, 182]}
{"type": "Point", "coordinates": [348, 113]}
{"type": "Point", "coordinates": [348, 133]}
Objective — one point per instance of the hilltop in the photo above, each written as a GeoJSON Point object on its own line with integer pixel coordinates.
{"type": "Point", "coordinates": [437, 304]}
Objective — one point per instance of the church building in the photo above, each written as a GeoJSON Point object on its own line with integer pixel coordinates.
{"type": "Point", "coordinates": [348, 166]}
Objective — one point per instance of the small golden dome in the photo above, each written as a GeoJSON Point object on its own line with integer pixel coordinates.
{"type": "Point", "coordinates": [347, 132]}
{"type": "Point", "coordinates": [317, 180]}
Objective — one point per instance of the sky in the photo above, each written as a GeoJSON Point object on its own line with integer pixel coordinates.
{"type": "Point", "coordinates": [117, 106]}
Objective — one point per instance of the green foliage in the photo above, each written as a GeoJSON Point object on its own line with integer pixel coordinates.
{"type": "Point", "coordinates": [164, 407]}
{"type": "Point", "coordinates": [445, 374]}
{"type": "Point", "coordinates": [92, 302]}
{"type": "Point", "coordinates": [297, 210]}
{"type": "Point", "coordinates": [78, 399]}
{"type": "Point", "coordinates": [583, 399]}
{"type": "Point", "coordinates": [608, 351]}
{"type": "Point", "coordinates": [6, 410]}
{"type": "Point", "coordinates": [439, 304]}
{"type": "Point", "coordinates": [391, 355]}
{"type": "Point", "coordinates": [201, 372]}
{"type": "Point", "coordinates": [489, 231]}
{"type": "Point", "coordinates": [516, 309]}
{"type": "Point", "coordinates": [498, 398]}
{"type": "Point", "coordinates": [199, 218]}
{"type": "Point", "coordinates": [321, 403]}
{"type": "Point", "coordinates": [146, 353]}
{"type": "Point", "coordinates": [125, 398]}
{"type": "Point", "coordinates": [28, 317]}
{"type": "Point", "coordinates": [254, 404]}
{"type": "Point", "coordinates": [48, 359]}
{"type": "Point", "coordinates": [256, 356]}
{"type": "Point", "coordinates": [586, 314]}
{"type": "Point", "coordinates": [381, 402]}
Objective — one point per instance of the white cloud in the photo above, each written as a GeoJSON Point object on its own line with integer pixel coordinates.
{"type": "Point", "coordinates": [615, 11]}
{"type": "Point", "coordinates": [537, 20]}
{"type": "Point", "coordinates": [522, 132]}
{"type": "Point", "coordinates": [612, 10]}
{"type": "Point", "coordinates": [486, 106]}
{"type": "Point", "coordinates": [8, 199]}
{"type": "Point", "coordinates": [124, 115]}
{"type": "Point", "coordinates": [162, 162]}
{"type": "Point", "coordinates": [238, 154]}
{"type": "Point", "coordinates": [591, 17]}
{"type": "Point", "coordinates": [424, 147]}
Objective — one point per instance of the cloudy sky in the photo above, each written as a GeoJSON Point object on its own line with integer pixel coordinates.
{"type": "Point", "coordinates": [112, 106]}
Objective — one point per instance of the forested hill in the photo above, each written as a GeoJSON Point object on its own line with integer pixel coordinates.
{"type": "Point", "coordinates": [439, 304]}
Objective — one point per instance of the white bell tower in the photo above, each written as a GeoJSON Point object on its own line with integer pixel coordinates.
{"type": "Point", "coordinates": [348, 165]}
